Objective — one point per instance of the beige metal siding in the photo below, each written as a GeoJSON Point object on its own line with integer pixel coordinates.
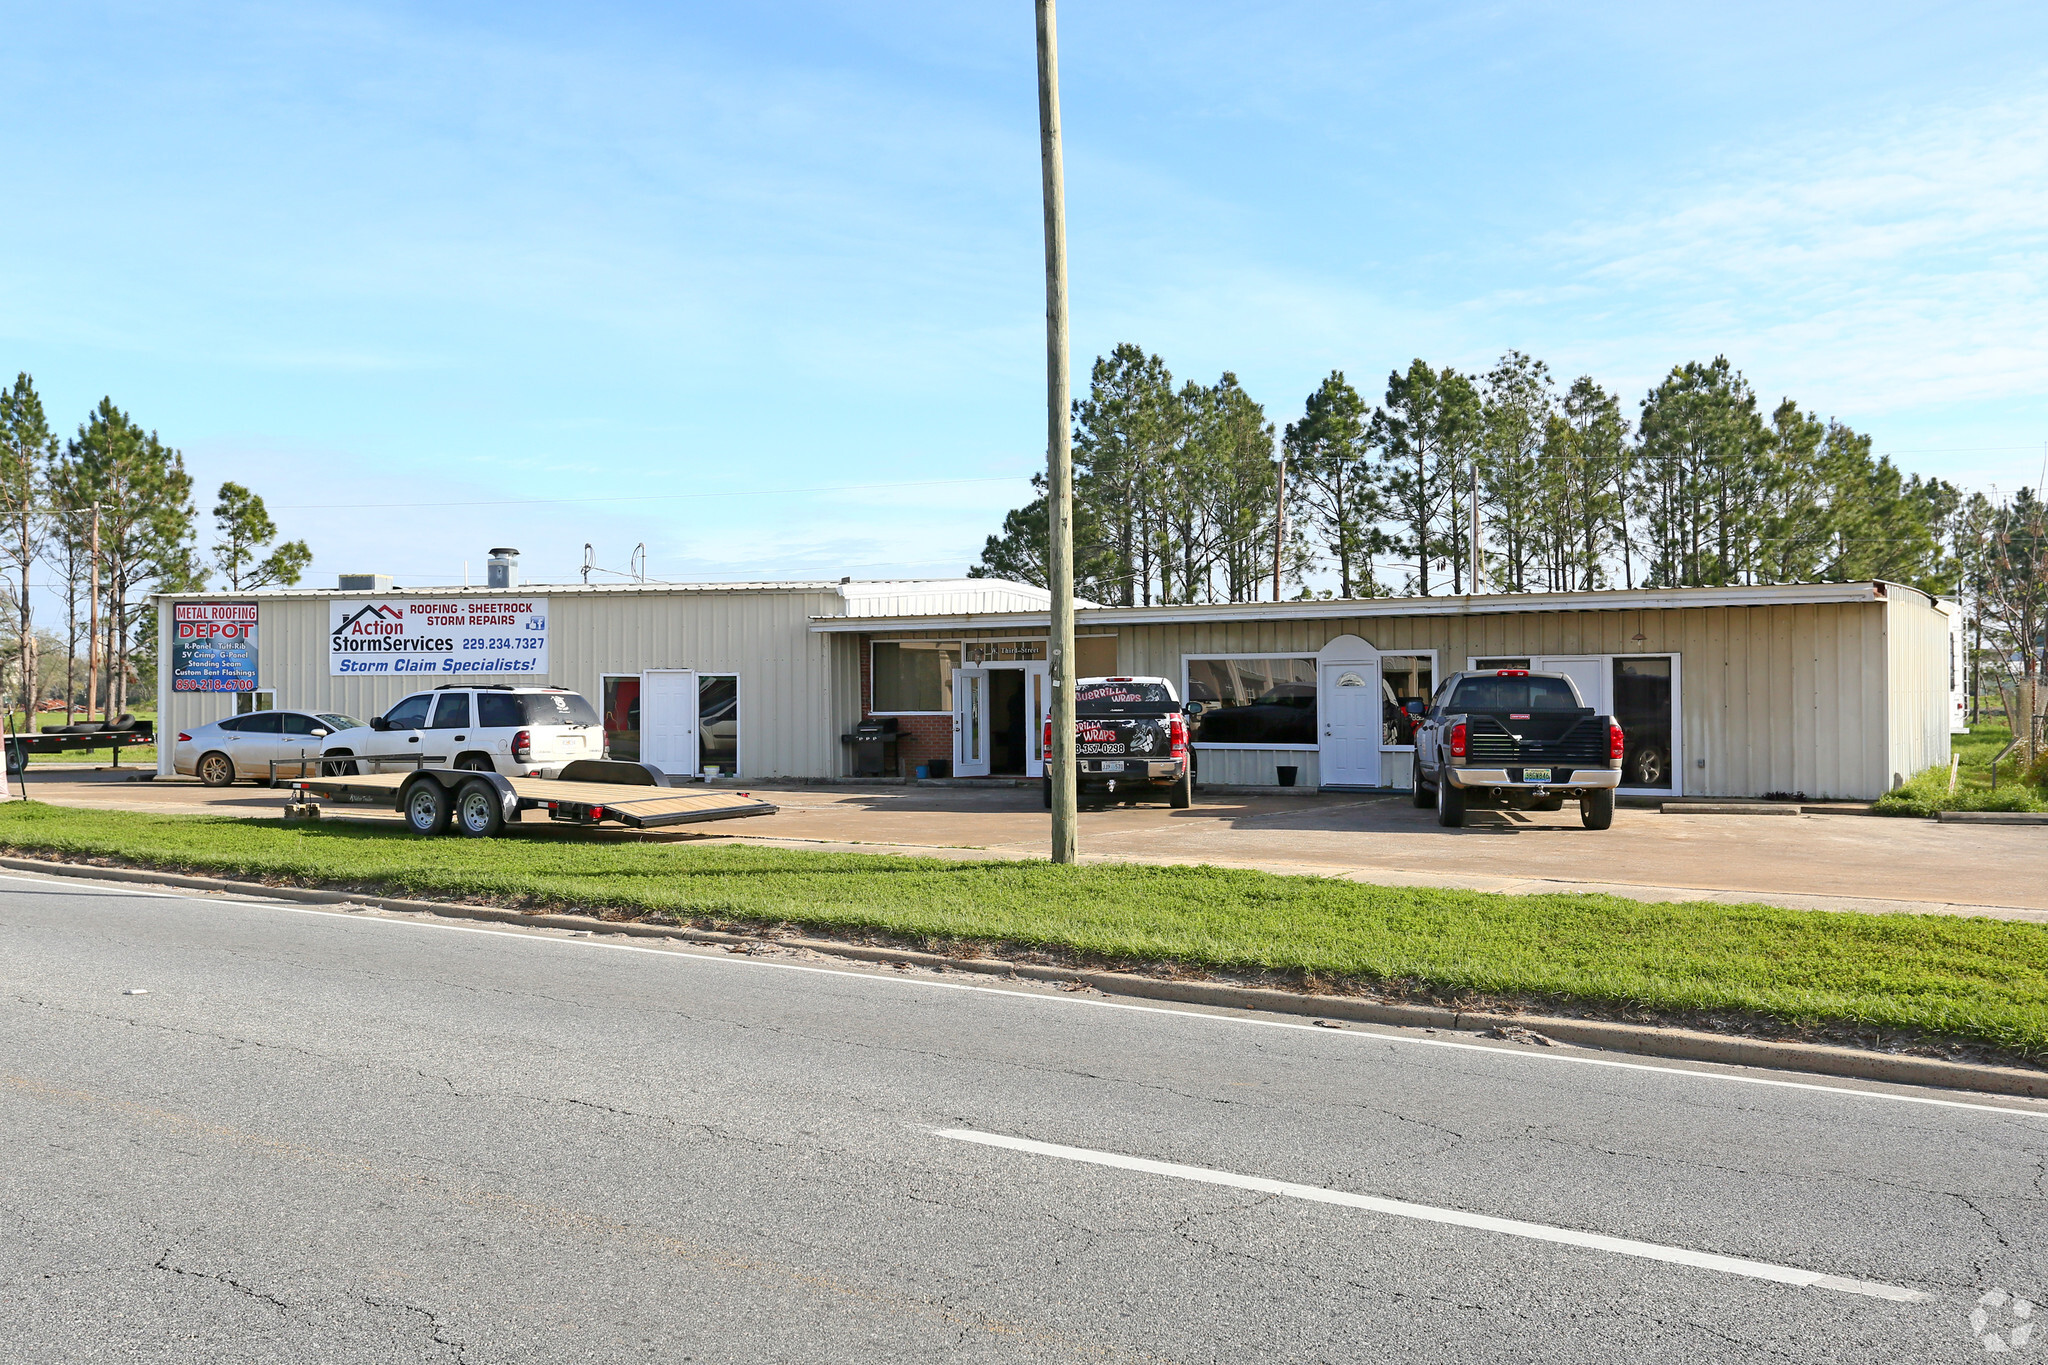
{"type": "Point", "coordinates": [1256, 767]}
{"type": "Point", "coordinates": [790, 716]}
{"type": "Point", "coordinates": [1787, 698]}
{"type": "Point", "coordinates": [1916, 683]}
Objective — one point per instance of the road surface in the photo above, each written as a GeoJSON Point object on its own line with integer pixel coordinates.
{"type": "Point", "coordinates": [335, 1136]}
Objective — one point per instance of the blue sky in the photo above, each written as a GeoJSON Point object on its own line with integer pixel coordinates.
{"type": "Point", "coordinates": [408, 271]}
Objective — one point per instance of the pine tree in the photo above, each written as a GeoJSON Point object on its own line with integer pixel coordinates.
{"type": "Point", "coordinates": [27, 447]}
{"type": "Point", "coordinates": [1333, 486]}
{"type": "Point", "coordinates": [246, 532]}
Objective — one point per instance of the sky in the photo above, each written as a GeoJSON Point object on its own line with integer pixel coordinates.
{"type": "Point", "coordinates": [760, 287]}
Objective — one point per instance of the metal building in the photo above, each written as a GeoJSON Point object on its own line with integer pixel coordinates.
{"type": "Point", "coordinates": [1822, 690]}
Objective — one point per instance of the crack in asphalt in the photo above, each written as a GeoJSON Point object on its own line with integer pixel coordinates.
{"type": "Point", "coordinates": [222, 1277]}
{"type": "Point", "coordinates": [459, 1350]}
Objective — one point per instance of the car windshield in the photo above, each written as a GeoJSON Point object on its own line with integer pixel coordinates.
{"type": "Point", "coordinates": [340, 722]}
{"type": "Point", "coordinates": [1515, 694]}
{"type": "Point", "coordinates": [1113, 696]}
{"type": "Point", "coordinates": [496, 710]}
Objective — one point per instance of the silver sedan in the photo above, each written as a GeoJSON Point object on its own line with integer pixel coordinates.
{"type": "Point", "coordinates": [246, 745]}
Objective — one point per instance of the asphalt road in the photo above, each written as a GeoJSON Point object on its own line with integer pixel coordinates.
{"type": "Point", "coordinates": [352, 1137]}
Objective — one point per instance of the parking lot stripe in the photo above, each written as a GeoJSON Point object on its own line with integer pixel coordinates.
{"type": "Point", "coordinates": [1401, 1208]}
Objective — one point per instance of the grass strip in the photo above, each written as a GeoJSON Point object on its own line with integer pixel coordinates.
{"type": "Point", "coordinates": [1928, 791]}
{"type": "Point", "coordinates": [1978, 979]}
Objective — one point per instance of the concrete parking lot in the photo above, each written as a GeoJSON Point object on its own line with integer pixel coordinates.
{"type": "Point", "coordinates": [1830, 862]}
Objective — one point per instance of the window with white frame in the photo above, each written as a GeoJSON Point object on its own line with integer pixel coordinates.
{"type": "Point", "coordinates": [1254, 700]}
{"type": "Point", "coordinates": [1404, 678]}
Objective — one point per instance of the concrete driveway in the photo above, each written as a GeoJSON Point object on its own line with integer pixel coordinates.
{"type": "Point", "coordinates": [1828, 862]}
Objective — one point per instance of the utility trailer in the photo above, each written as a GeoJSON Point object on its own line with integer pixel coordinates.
{"type": "Point", "coordinates": [83, 739]}
{"type": "Point", "coordinates": [478, 805]}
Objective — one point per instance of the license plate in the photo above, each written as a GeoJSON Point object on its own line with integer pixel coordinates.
{"type": "Point", "coordinates": [1115, 765]}
{"type": "Point", "coordinates": [1535, 774]}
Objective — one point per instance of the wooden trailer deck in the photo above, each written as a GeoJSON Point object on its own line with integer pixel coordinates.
{"type": "Point", "coordinates": [642, 807]}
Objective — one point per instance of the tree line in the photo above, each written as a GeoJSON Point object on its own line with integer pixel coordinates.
{"type": "Point", "coordinates": [109, 513]}
{"type": "Point", "coordinates": [1188, 494]}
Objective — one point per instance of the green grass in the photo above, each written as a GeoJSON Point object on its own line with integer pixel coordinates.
{"type": "Point", "coordinates": [1927, 792]}
{"type": "Point", "coordinates": [1981, 979]}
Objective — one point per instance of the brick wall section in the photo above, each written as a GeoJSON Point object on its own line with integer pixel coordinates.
{"type": "Point", "coordinates": [923, 738]}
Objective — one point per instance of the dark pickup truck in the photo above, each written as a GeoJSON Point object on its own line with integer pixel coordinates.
{"type": "Point", "coordinates": [1130, 742]}
{"type": "Point", "coordinates": [1525, 739]}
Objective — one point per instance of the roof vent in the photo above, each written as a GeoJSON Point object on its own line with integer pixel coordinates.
{"type": "Point", "coordinates": [502, 569]}
{"type": "Point", "coordinates": [364, 582]}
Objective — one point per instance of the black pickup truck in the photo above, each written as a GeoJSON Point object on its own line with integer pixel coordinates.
{"type": "Point", "coordinates": [1524, 739]}
{"type": "Point", "coordinates": [1130, 742]}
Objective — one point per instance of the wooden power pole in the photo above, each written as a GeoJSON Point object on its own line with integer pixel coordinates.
{"type": "Point", "coordinates": [1059, 451]}
{"type": "Point", "coordinates": [1280, 523]}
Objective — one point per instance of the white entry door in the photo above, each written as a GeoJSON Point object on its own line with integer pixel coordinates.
{"type": "Point", "coordinates": [970, 722]}
{"type": "Point", "coordinates": [1590, 671]}
{"type": "Point", "coordinates": [668, 720]}
{"type": "Point", "coordinates": [1348, 704]}
{"type": "Point", "coordinates": [1037, 706]}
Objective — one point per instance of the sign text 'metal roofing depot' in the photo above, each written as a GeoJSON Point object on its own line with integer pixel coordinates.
{"type": "Point", "coordinates": [213, 647]}
{"type": "Point", "coordinates": [484, 636]}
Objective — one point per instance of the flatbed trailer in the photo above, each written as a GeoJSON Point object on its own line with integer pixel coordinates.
{"type": "Point", "coordinates": [479, 805]}
{"type": "Point", "coordinates": [134, 736]}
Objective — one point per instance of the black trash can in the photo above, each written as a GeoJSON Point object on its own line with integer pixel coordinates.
{"type": "Point", "coordinates": [1287, 775]}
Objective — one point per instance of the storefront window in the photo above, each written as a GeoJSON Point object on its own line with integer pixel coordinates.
{"type": "Point", "coordinates": [914, 675]}
{"type": "Point", "coordinates": [1642, 707]}
{"type": "Point", "coordinates": [718, 724]}
{"type": "Point", "coordinates": [1405, 678]}
{"type": "Point", "coordinates": [1254, 701]}
{"type": "Point", "coordinates": [622, 718]}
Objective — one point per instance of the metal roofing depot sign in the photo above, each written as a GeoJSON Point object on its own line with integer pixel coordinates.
{"type": "Point", "coordinates": [483, 636]}
{"type": "Point", "coordinates": [213, 647]}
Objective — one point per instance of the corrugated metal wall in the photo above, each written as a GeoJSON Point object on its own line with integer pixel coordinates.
{"type": "Point", "coordinates": [1774, 698]}
{"type": "Point", "coordinates": [1917, 684]}
{"type": "Point", "coordinates": [791, 715]}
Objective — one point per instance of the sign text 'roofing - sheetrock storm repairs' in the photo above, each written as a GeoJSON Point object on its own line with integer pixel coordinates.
{"type": "Point", "coordinates": [475, 637]}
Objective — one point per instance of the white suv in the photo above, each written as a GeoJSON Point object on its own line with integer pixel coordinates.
{"type": "Point", "coordinates": [517, 731]}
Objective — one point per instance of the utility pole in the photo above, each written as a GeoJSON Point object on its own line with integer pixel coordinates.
{"type": "Point", "coordinates": [1059, 452]}
{"type": "Point", "coordinates": [92, 641]}
{"type": "Point", "coordinates": [1279, 521]}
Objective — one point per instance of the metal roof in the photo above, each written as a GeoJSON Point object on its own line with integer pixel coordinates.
{"type": "Point", "coordinates": [1352, 608]}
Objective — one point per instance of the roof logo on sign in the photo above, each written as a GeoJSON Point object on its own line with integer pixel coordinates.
{"type": "Point", "coordinates": [373, 610]}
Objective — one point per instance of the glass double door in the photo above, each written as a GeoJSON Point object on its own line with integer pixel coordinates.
{"type": "Point", "coordinates": [999, 713]}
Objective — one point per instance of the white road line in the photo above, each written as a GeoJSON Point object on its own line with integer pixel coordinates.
{"type": "Point", "coordinates": [682, 948]}
{"type": "Point", "coordinates": [1400, 1208]}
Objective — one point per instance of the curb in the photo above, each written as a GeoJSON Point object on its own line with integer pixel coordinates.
{"type": "Point", "coordinates": [1727, 808]}
{"type": "Point", "coordinates": [1991, 817]}
{"type": "Point", "coordinates": [1640, 1039]}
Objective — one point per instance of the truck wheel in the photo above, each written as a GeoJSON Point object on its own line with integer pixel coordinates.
{"type": "Point", "coordinates": [479, 811]}
{"type": "Point", "coordinates": [1596, 808]}
{"type": "Point", "coordinates": [427, 807]}
{"type": "Point", "coordinates": [216, 770]}
{"type": "Point", "coordinates": [1048, 793]}
{"type": "Point", "coordinates": [1450, 803]}
{"type": "Point", "coordinates": [1418, 793]}
{"type": "Point", "coordinates": [1182, 794]}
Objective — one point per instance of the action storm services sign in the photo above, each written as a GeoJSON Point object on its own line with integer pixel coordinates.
{"type": "Point", "coordinates": [213, 647]}
{"type": "Point", "coordinates": [472, 636]}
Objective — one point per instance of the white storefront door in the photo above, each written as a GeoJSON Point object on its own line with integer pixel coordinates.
{"type": "Point", "coordinates": [668, 720]}
{"type": "Point", "coordinates": [1348, 704]}
{"type": "Point", "coordinates": [970, 722]}
{"type": "Point", "coordinates": [1591, 672]}
{"type": "Point", "coordinates": [1037, 706]}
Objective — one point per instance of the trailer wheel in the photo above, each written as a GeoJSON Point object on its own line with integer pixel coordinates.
{"type": "Point", "coordinates": [1596, 808]}
{"type": "Point", "coordinates": [216, 769]}
{"type": "Point", "coordinates": [479, 811]}
{"type": "Point", "coordinates": [427, 807]}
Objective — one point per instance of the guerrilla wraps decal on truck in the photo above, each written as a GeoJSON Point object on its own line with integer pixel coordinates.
{"type": "Point", "coordinates": [472, 637]}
